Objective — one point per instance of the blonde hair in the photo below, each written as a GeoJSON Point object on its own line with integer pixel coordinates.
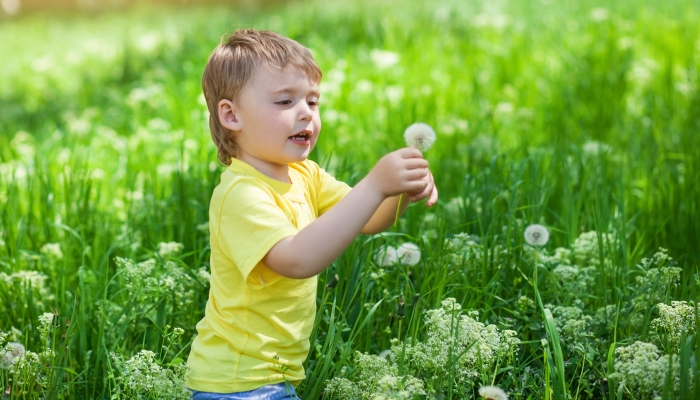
{"type": "Point", "coordinates": [234, 62]}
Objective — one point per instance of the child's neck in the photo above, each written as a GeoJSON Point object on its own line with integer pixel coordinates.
{"type": "Point", "coordinates": [278, 172]}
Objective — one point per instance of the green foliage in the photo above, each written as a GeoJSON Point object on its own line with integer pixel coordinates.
{"type": "Point", "coordinates": [580, 118]}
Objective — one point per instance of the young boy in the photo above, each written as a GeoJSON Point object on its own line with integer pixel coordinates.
{"type": "Point", "coordinates": [276, 219]}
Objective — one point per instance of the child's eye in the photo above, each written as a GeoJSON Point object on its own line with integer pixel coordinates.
{"type": "Point", "coordinates": [284, 102]}
{"type": "Point", "coordinates": [313, 103]}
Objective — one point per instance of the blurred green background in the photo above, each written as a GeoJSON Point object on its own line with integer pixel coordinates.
{"type": "Point", "coordinates": [579, 115]}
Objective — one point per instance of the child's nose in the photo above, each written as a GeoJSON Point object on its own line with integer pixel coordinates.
{"type": "Point", "coordinates": [306, 112]}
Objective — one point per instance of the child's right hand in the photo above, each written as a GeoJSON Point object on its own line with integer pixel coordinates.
{"type": "Point", "coordinates": [399, 172]}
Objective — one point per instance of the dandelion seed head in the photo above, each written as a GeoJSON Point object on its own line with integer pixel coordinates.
{"type": "Point", "coordinates": [492, 393]}
{"type": "Point", "coordinates": [408, 253]}
{"type": "Point", "coordinates": [10, 353]}
{"type": "Point", "coordinates": [386, 256]}
{"type": "Point", "coordinates": [420, 135]}
{"type": "Point", "coordinates": [536, 235]}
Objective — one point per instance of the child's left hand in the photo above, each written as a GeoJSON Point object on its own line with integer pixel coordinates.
{"type": "Point", "coordinates": [429, 192]}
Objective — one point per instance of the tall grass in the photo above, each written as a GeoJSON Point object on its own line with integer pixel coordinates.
{"type": "Point", "coordinates": [577, 117]}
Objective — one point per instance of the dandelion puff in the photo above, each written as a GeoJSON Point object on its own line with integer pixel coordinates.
{"type": "Point", "coordinates": [492, 393]}
{"type": "Point", "coordinates": [10, 353]}
{"type": "Point", "coordinates": [536, 235]}
{"type": "Point", "coordinates": [386, 256]}
{"type": "Point", "coordinates": [408, 253]}
{"type": "Point", "coordinates": [420, 135]}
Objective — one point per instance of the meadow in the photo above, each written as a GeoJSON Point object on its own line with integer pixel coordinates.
{"type": "Point", "coordinates": [580, 116]}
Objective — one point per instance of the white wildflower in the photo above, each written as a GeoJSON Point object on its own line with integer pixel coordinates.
{"type": "Point", "coordinates": [10, 353]}
{"type": "Point", "coordinates": [142, 376]}
{"type": "Point", "coordinates": [52, 251]}
{"type": "Point", "coordinates": [536, 235]}
{"type": "Point", "coordinates": [386, 256]}
{"type": "Point", "coordinates": [504, 107]}
{"type": "Point", "coordinates": [383, 59]}
{"type": "Point", "coordinates": [169, 249]}
{"type": "Point", "coordinates": [420, 135]}
{"type": "Point", "coordinates": [203, 275]}
{"type": "Point", "coordinates": [594, 148]}
{"type": "Point", "coordinates": [46, 318]}
{"type": "Point", "coordinates": [26, 369]}
{"type": "Point", "coordinates": [642, 369]}
{"type": "Point", "coordinates": [492, 393]}
{"type": "Point", "coordinates": [408, 253]}
{"type": "Point", "coordinates": [599, 14]}
{"type": "Point", "coordinates": [394, 94]}
{"type": "Point", "coordinates": [674, 320]}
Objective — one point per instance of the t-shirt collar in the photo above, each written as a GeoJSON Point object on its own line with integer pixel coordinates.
{"type": "Point", "coordinates": [288, 190]}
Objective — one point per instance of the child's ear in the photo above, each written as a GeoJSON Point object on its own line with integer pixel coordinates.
{"type": "Point", "coordinates": [228, 115]}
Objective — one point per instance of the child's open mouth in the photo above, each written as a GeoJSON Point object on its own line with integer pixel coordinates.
{"type": "Point", "coordinates": [301, 138]}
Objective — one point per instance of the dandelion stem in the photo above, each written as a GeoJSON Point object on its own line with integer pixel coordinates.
{"type": "Point", "coordinates": [398, 211]}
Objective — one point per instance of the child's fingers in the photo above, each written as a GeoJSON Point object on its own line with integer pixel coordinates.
{"type": "Point", "coordinates": [433, 197]}
{"type": "Point", "coordinates": [415, 174]}
{"type": "Point", "coordinates": [416, 163]}
{"type": "Point", "coordinates": [410, 152]}
{"type": "Point", "coordinates": [423, 193]}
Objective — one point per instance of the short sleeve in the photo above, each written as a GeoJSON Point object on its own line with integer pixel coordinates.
{"type": "Point", "coordinates": [251, 221]}
{"type": "Point", "coordinates": [329, 190]}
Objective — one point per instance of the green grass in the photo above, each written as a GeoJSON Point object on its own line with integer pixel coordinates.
{"type": "Point", "coordinates": [560, 113]}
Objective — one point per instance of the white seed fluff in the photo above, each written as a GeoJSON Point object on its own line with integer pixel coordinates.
{"type": "Point", "coordinates": [408, 253]}
{"type": "Point", "coordinates": [386, 256]}
{"type": "Point", "coordinates": [10, 353]}
{"type": "Point", "coordinates": [420, 135]}
{"type": "Point", "coordinates": [492, 393]}
{"type": "Point", "coordinates": [536, 235]}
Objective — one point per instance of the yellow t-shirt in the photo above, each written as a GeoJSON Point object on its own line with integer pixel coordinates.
{"type": "Point", "coordinates": [254, 314]}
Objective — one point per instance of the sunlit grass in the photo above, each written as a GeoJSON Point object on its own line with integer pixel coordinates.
{"type": "Point", "coordinates": [578, 118]}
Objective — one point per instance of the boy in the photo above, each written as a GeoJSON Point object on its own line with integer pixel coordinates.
{"type": "Point", "coordinates": [276, 219]}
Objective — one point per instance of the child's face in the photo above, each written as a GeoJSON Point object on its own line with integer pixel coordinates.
{"type": "Point", "coordinates": [278, 120]}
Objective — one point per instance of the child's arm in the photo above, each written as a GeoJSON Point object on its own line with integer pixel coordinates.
{"type": "Point", "coordinates": [385, 215]}
{"type": "Point", "coordinates": [315, 247]}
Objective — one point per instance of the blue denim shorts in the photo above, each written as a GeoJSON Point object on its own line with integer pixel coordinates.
{"type": "Point", "coordinates": [279, 391]}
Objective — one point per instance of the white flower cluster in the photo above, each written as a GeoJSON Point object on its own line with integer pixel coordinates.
{"type": "Point", "coordinates": [27, 370]}
{"type": "Point", "coordinates": [143, 377]}
{"type": "Point", "coordinates": [674, 320]}
{"type": "Point", "coordinates": [169, 249]}
{"type": "Point", "coordinates": [574, 328]}
{"type": "Point", "coordinates": [574, 279]}
{"type": "Point", "coordinates": [642, 369]}
{"type": "Point", "coordinates": [374, 378]}
{"type": "Point", "coordinates": [659, 276]}
{"type": "Point", "coordinates": [153, 277]}
{"type": "Point", "coordinates": [52, 251]}
{"type": "Point", "coordinates": [457, 348]}
{"type": "Point", "coordinates": [406, 253]}
{"type": "Point", "coordinates": [464, 247]}
{"type": "Point", "coordinates": [26, 285]}
{"type": "Point", "coordinates": [586, 247]}
{"type": "Point", "coordinates": [450, 333]}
